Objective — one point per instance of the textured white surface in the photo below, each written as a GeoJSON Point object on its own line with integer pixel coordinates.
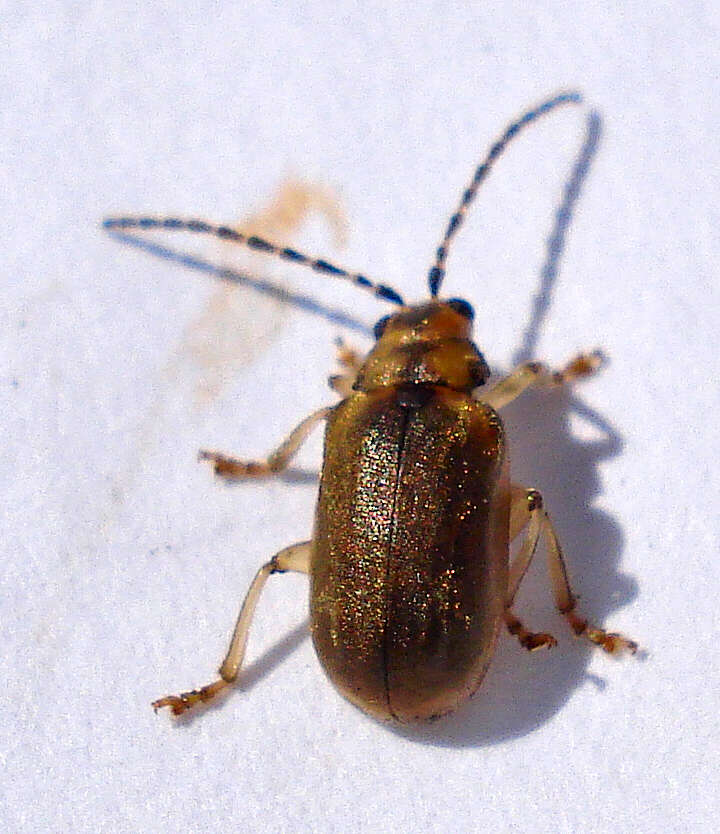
{"type": "Point", "coordinates": [123, 562]}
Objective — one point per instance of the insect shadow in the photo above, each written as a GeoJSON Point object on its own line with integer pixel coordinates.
{"type": "Point", "coordinates": [234, 276]}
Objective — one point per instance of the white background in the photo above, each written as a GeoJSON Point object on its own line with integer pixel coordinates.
{"type": "Point", "coordinates": [124, 562]}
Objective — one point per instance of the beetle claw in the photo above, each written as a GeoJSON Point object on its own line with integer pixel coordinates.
{"type": "Point", "coordinates": [534, 642]}
{"type": "Point", "coordinates": [176, 704]}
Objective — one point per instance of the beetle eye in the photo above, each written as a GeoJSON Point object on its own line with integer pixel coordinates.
{"type": "Point", "coordinates": [379, 328]}
{"type": "Point", "coordinates": [461, 306]}
{"type": "Point", "coordinates": [479, 374]}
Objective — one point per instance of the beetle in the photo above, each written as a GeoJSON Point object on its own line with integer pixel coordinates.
{"type": "Point", "coordinates": [410, 575]}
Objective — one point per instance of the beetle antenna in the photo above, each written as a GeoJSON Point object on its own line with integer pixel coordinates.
{"type": "Point", "coordinates": [437, 271]}
{"type": "Point", "coordinates": [258, 244]}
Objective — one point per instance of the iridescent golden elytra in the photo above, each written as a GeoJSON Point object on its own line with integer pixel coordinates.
{"type": "Point", "coordinates": [410, 580]}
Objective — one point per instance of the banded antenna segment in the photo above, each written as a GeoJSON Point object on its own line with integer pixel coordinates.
{"type": "Point", "coordinates": [257, 244]}
{"type": "Point", "coordinates": [437, 271]}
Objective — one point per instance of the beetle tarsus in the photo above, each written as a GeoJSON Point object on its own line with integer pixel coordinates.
{"type": "Point", "coordinates": [612, 643]}
{"type": "Point", "coordinates": [533, 642]}
{"type": "Point", "coordinates": [179, 704]}
{"type": "Point", "coordinates": [350, 360]}
{"type": "Point", "coordinates": [530, 640]}
{"type": "Point", "coordinates": [583, 365]}
{"type": "Point", "coordinates": [233, 469]}
{"type": "Point", "coordinates": [609, 641]}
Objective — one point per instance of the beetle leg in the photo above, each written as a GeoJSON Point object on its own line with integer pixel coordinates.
{"type": "Point", "coordinates": [233, 469]}
{"type": "Point", "coordinates": [523, 515]}
{"type": "Point", "coordinates": [527, 510]}
{"type": "Point", "coordinates": [351, 361]}
{"type": "Point", "coordinates": [293, 558]}
{"type": "Point", "coordinates": [565, 601]}
{"type": "Point", "coordinates": [536, 373]}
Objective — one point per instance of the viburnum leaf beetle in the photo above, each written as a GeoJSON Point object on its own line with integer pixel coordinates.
{"type": "Point", "coordinates": [410, 580]}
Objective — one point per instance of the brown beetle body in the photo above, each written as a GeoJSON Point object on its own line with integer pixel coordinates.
{"type": "Point", "coordinates": [409, 564]}
{"type": "Point", "coordinates": [409, 568]}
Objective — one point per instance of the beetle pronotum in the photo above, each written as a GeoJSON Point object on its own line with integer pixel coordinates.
{"type": "Point", "coordinates": [410, 580]}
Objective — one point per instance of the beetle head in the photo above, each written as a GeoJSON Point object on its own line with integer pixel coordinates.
{"type": "Point", "coordinates": [436, 318]}
{"type": "Point", "coordinates": [425, 343]}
